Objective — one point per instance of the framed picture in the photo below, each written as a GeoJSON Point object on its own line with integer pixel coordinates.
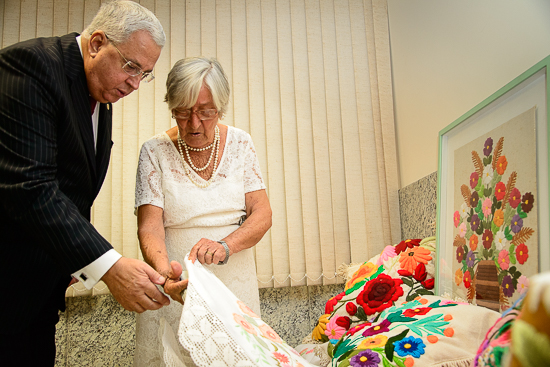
{"type": "Point", "coordinates": [493, 195]}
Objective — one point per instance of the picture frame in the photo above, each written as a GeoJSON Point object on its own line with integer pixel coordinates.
{"type": "Point", "coordinates": [481, 228]}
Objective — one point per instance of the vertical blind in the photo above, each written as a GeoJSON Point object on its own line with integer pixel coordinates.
{"type": "Point", "coordinates": [311, 83]}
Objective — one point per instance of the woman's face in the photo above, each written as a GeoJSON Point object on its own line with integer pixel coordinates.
{"type": "Point", "coordinates": [194, 132]}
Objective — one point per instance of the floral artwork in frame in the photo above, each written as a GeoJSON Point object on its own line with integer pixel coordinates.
{"type": "Point", "coordinates": [495, 241]}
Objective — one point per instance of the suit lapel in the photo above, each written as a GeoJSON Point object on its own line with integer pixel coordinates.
{"type": "Point", "coordinates": [74, 70]}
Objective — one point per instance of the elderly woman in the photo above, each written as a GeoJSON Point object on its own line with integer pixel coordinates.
{"type": "Point", "coordinates": [199, 189]}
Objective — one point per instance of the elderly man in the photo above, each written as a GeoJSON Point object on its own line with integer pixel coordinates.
{"type": "Point", "coordinates": [55, 143]}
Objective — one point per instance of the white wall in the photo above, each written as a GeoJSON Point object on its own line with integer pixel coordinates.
{"type": "Point", "coordinates": [447, 56]}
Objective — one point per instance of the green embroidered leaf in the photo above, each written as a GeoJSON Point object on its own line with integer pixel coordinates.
{"type": "Point", "coordinates": [408, 282]}
{"type": "Point", "coordinates": [512, 270]}
{"type": "Point", "coordinates": [424, 292]}
{"type": "Point", "coordinates": [523, 215]}
{"type": "Point", "coordinates": [330, 350]}
{"type": "Point", "coordinates": [494, 228]}
{"type": "Point", "coordinates": [389, 348]}
{"type": "Point", "coordinates": [428, 319]}
{"type": "Point", "coordinates": [434, 330]}
{"type": "Point", "coordinates": [250, 320]}
{"type": "Point", "coordinates": [261, 342]}
{"type": "Point", "coordinates": [396, 317]}
{"type": "Point", "coordinates": [508, 214]}
{"type": "Point", "coordinates": [479, 230]}
{"type": "Point", "coordinates": [487, 192]}
{"type": "Point", "coordinates": [512, 258]}
{"type": "Point", "coordinates": [356, 286]}
{"type": "Point", "coordinates": [399, 361]}
{"type": "Point", "coordinates": [386, 363]}
{"type": "Point", "coordinates": [361, 315]}
{"type": "Point", "coordinates": [381, 268]}
{"type": "Point", "coordinates": [437, 304]}
{"type": "Point", "coordinates": [344, 363]}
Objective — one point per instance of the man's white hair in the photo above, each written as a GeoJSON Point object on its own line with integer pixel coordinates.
{"type": "Point", "coordinates": [119, 19]}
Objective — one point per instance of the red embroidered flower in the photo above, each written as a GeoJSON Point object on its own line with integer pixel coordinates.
{"type": "Point", "coordinates": [404, 273]}
{"type": "Point", "coordinates": [351, 308]}
{"type": "Point", "coordinates": [344, 322]}
{"type": "Point", "coordinates": [329, 306]}
{"type": "Point", "coordinates": [522, 253]}
{"type": "Point", "coordinates": [500, 190]}
{"type": "Point", "coordinates": [428, 284]}
{"type": "Point", "coordinates": [356, 328]}
{"type": "Point", "coordinates": [515, 198]}
{"type": "Point", "coordinates": [403, 245]}
{"type": "Point", "coordinates": [420, 273]}
{"type": "Point", "coordinates": [487, 238]}
{"type": "Point", "coordinates": [412, 312]}
{"type": "Point", "coordinates": [467, 279]}
{"type": "Point", "coordinates": [380, 293]}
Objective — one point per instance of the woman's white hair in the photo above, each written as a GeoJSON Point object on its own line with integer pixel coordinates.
{"type": "Point", "coordinates": [119, 19]}
{"type": "Point", "coordinates": [186, 78]}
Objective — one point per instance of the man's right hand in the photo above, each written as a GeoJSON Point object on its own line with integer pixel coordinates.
{"type": "Point", "coordinates": [132, 283]}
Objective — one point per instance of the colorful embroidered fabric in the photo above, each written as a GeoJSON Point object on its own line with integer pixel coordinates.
{"type": "Point", "coordinates": [496, 344]}
{"type": "Point", "coordinates": [398, 274]}
{"type": "Point", "coordinates": [428, 331]}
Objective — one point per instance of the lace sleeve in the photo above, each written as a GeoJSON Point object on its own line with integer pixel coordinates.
{"type": "Point", "coordinates": [252, 174]}
{"type": "Point", "coordinates": [149, 178]}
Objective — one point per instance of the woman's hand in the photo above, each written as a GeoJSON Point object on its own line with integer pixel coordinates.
{"type": "Point", "coordinates": [173, 285]}
{"type": "Point", "coordinates": [208, 252]}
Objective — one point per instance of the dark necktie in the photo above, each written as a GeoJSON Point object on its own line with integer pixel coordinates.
{"type": "Point", "coordinates": [93, 102]}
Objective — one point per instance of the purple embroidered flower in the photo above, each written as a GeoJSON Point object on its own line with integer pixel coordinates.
{"type": "Point", "coordinates": [475, 222]}
{"type": "Point", "coordinates": [488, 147]}
{"type": "Point", "coordinates": [377, 329]}
{"type": "Point", "coordinates": [517, 223]}
{"type": "Point", "coordinates": [470, 259]}
{"type": "Point", "coordinates": [507, 286]}
{"type": "Point", "coordinates": [367, 358]}
{"type": "Point", "coordinates": [410, 346]}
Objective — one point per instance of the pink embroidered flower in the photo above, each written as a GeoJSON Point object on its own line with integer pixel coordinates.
{"type": "Point", "coordinates": [504, 259]}
{"type": "Point", "coordinates": [244, 308]}
{"type": "Point", "coordinates": [474, 179]}
{"type": "Point", "coordinates": [462, 230]}
{"type": "Point", "coordinates": [281, 357]}
{"type": "Point", "coordinates": [387, 253]}
{"type": "Point", "coordinates": [245, 325]}
{"type": "Point", "coordinates": [486, 207]}
{"type": "Point", "coordinates": [456, 218]}
{"type": "Point", "coordinates": [334, 331]}
{"type": "Point", "coordinates": [523, 284]}
{"type": "Point", "coordinates": [269, 333]}
{"type": "Point", "coordinates": [409, 259]}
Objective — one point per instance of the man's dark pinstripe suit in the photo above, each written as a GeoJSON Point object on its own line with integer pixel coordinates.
{"type": "Point", "coordinates": [50, 175]}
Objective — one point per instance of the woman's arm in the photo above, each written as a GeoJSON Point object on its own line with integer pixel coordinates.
{"type": "Point", "coordinates": [258, 221]}
{"type": "Point", "coordinates": [151, 240]}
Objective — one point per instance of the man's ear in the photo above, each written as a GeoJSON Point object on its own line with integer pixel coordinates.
{"type": "Point", "coordinates": [97, 40]}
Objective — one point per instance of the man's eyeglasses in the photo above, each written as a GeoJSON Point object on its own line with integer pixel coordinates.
{"type": "Point", "coordinates": [201, 114]}
{"type": "Point", "coordinates": [132, 69]}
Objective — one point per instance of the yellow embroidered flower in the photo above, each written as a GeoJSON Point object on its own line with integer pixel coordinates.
{"type": "Point", "coordinates": [374, 342]}
{"type": "Point", "coordinates": [319, 330]}
{"type": "Point", "coordinates": [365, 271]}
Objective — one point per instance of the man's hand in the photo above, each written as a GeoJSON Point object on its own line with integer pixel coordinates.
{"type": "Point", "coordinates": [132, 283]}
{"type": "Point", "coordinates": [173, 286]}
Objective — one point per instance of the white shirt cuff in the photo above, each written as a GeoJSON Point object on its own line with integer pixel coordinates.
{"type": "Point", "coordinates": [91, 274]}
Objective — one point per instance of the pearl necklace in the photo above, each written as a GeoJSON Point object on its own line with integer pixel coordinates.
{"type": "Point", "coordinates": [215, 144]}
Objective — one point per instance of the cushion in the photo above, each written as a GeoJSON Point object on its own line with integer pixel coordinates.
{"type": "Point", "coordinates": [497, 340]}
{"type": "Point", "coordinates": [398, 274]}
{"type": "Point", "coordinates": [428, 331]}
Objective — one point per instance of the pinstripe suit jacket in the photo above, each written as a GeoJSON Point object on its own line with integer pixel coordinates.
{"type": "Point", "coordinates": [49, 174]}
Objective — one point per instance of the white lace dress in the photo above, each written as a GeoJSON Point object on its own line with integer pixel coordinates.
{"type": "Point", "coordinates": [192, 213]}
